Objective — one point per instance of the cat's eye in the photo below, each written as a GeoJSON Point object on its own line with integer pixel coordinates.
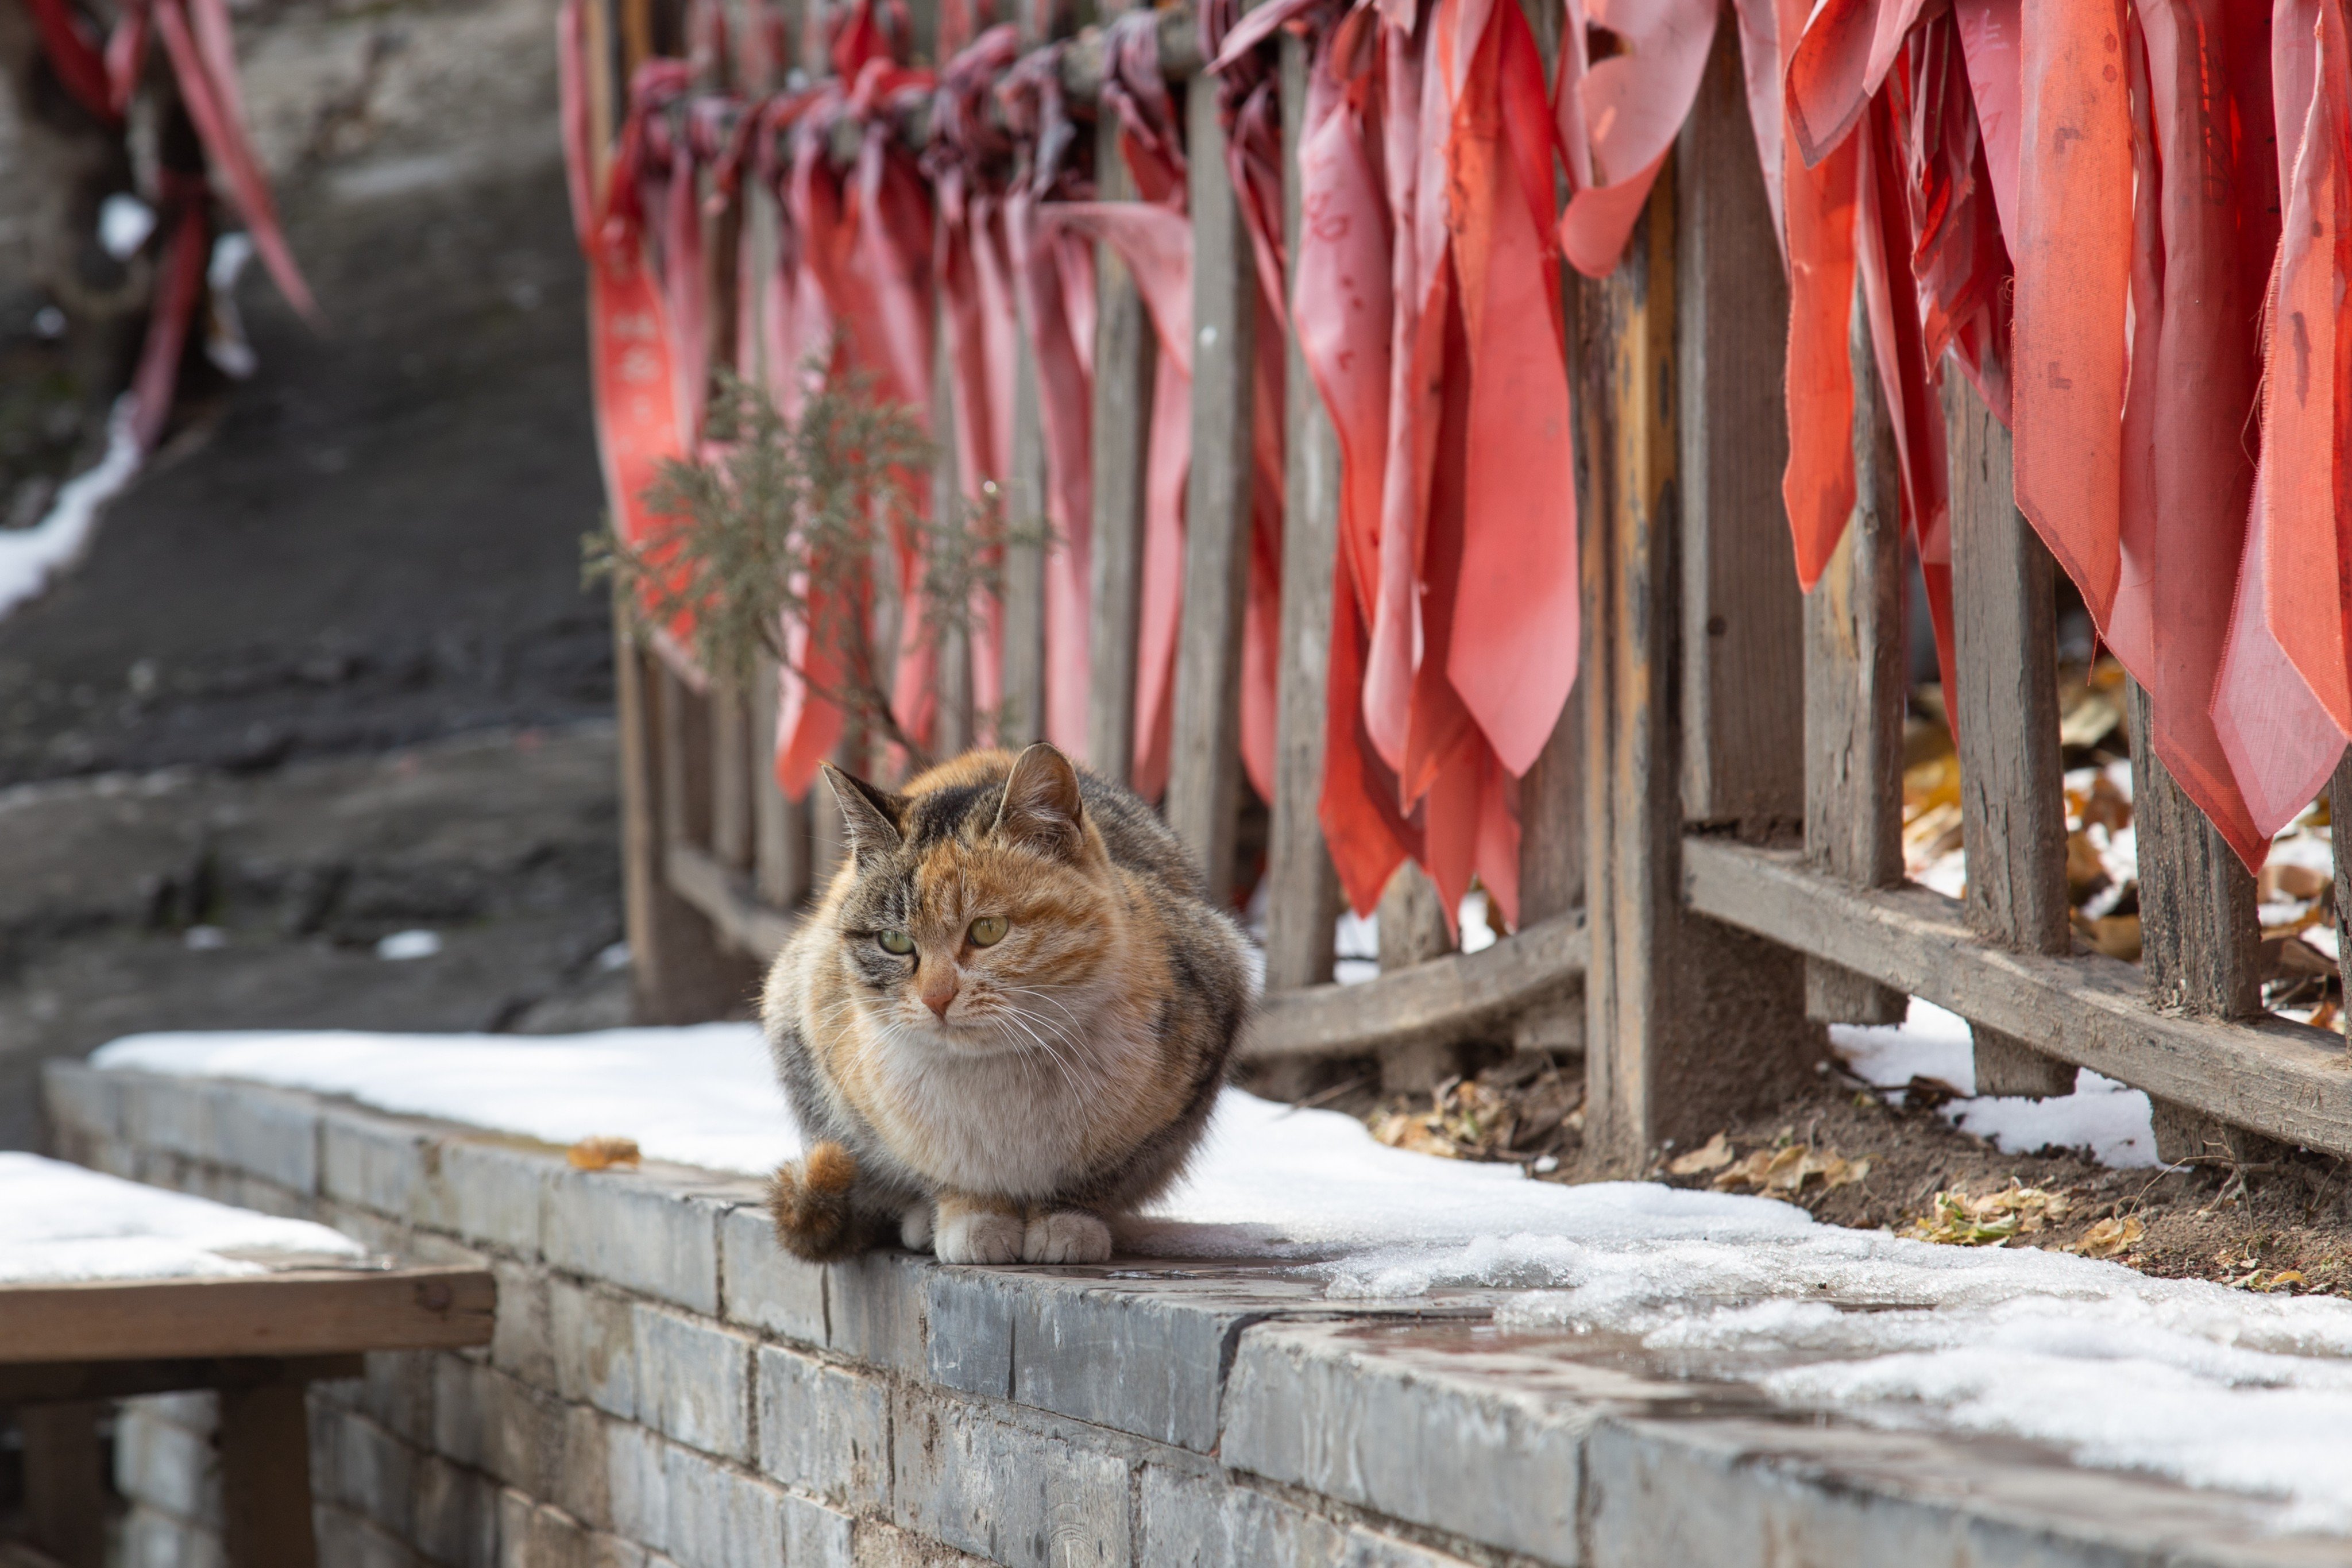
{"type": "Point", "coordinates": [897, 941]}
{"type": "Point", "coordinates": [988, 930]}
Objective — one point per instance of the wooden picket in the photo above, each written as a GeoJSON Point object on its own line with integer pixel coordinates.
{"type": "Point", "coordinates": [1711, 866]}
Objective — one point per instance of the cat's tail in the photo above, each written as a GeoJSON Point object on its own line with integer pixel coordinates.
{"type": "Point", "coordinates": [809, 1201]}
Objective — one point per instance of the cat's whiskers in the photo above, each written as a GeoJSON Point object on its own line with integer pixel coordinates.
{"type": "Point", "coordinates": [1068, 1070]}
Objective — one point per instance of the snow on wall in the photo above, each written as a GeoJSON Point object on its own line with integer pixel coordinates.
{"type": "Point", "coordinates": [2193, 1381]}
{"type": "Point", "coordinates": [61, 1223]}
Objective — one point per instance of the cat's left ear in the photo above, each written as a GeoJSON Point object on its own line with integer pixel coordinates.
{"type": "Point", "coordinates": [1042, 809]}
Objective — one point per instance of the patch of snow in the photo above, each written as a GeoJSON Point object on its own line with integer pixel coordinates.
{"type": "Point", "coordinates": [700, 1096]}
{"type": "Point", "coordinates": [401, 945]}
{"type": "Point", "coordinates": [2214, 1387]}
{"type": "Point", "coordinates": [614, 959]}
{"type": "Point", "coordinates": [1355, 970]}
{"type": "Point", "coordinates": [124, 222]}
{"type": "Point", "coordinates": [60, 1222]}
{"type": "Point", "coordinates": [1470, 920]}
{"type": "Point", "coordinates": [205, 939]}
{"type": "Point", "coordinates": [31, 557]}
{"type": "Point", "coordinates": [2115, 1123]}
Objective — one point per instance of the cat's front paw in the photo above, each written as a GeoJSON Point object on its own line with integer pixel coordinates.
{"type": "Point", "coordinates": [915, 1226]}
{"type": "Point", "coordinates": [977, 1235]}
{"type": "Point", "coordinates": [1066, 1235]}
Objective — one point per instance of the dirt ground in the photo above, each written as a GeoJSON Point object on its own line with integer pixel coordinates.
{"type": "Point", "coordinates": [1851, 1155]}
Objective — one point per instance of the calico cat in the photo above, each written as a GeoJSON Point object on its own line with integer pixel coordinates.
{"type": "Point", "coordinates": [1007, 1021]}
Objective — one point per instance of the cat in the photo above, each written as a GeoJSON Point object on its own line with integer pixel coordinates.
{"type": "Point", "coordinates": [1006, 1023]}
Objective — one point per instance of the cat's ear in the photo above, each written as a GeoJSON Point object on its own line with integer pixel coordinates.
{"type": "Point", "coordinates": [1040, 807]}
{"type": "Point", "coordinates": [870, 814]}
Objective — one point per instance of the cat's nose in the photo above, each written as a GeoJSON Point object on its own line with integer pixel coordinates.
{"type": "Point", "coordinates": [939, 993]}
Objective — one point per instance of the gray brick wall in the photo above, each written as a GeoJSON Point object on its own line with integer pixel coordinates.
{"type": "Point", "coordinates": [667, 1389]}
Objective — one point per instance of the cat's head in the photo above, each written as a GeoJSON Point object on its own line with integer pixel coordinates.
{"type": "Point", "coordinates": [981, 914]}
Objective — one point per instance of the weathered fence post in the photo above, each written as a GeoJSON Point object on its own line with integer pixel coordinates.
{"type": "Point", "coordinates": [1020, 713]}
{"type": "Point", "coordinates": [780, 862]}
{"type": "Point", "coordinates": [1126, 357]}
{"type": "Point", "coordinates": [2200, 941]}
{"type": "Point", "coordinates": [2004, 719]}
{"type": "Point", "coordinates": [1303, 890]}
{"type": "Point", "coordinates": [1854, 696]}
{"type": "Point", "coordinates": [1687, 1022]}
{"type": "Point", "coordinates": [1204, 778]}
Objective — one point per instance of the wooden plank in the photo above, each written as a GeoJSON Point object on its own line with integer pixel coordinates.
{"type": "Point", "coordinates": [779, 870]}
{"type": "Point", "coordinates": [682, 734]}
{"type": "Point", "coordinates": [1302, 889]}
{"type": "Point", "coordinates": [1855, 694]}
{"type": "Point", "coordinates": [2288, 1081]}
{"type": "Point", "coordinates": [2199, 937]}
{"type": "Point", "coordinates": [1414, 930]}
{"type": "Point", "coordinates": [300, 1312]}
{"type": "Point", "coordinates": [2339, 809]}
{"type": "Point", "coordinates": [952, 731]}
{"type": "Point", "coordinates": [49, 1383]}
{"type": "Point", "coordinates": [730, 775]}
{"type": "Point", "coordinates": [724, 895]}
{"type": "Point", "coordinates": [1020, 718]}
{"type": "Point", "coordinates": [678, 972]}
{"type": "Point", "coordinates": [1743, 615]}
{"type": "Point", "coordinates": [1459, 997]}
{"type": "Point", "coordinates": [64, 1482]}
{"type": "Point", "coordinates": [1632, 805]}
{"type": "Point", "coordinates": [1125, 362]}
{"type": "Point", "coordinates": [265, 1457]}
{"type": "Point", "coordinates": [1687, 1026]}
{"type": "Point", "coordinates": [1205, 777]}
{"type": "Point", "coordinates": [2012, 804]}
{"type": "Point", "coordinates": [2200, 941]}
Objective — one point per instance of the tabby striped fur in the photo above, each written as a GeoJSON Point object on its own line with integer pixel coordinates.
{"type": "Point", "coordinates": [1000, 1100]}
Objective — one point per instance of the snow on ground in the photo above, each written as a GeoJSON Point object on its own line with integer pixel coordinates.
{"type": "Point", "coordinates": [29, 557]}
{"type": "Point", "coordinates": [2103, 1116]}
{"type": "Point", "coordinates": [60, 1222]}
{"type": "Point", "coordinates": [2181, 1378]}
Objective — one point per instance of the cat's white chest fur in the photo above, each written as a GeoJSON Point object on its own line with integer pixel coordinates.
{"type": "Point", "coordinates": [1016, 1124]}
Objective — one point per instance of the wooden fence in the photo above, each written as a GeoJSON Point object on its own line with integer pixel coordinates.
{"type": "Point", "coordinates": [1711, 860]}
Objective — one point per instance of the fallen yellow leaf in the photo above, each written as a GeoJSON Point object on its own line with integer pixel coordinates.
{"type": "Point", "coordinates": [1713, 1155]}
{"type": "Point", "coordinates": [2109, 1237]}
{"type": "Point", "coordinates": [602, 1153]}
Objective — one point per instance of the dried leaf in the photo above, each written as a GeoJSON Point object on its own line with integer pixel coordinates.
{"type": "Point", "coordinates": [1956, 1219]}
{"type": "Point", "coordinates": [1713, 1156]}
{"type": "Point", "coordinates": [2086, 873]}
{"type": "Point", "coordinates": [2090, 716]}
{"type": "Point", "coordinates": [2280, 880]}
{"type": "Point", "coordinates": [2109, 1237]}
{"type": "Point", "coordinates": [602, 1153]}
{"type": "Point", "coordinates": [2117, 936]}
